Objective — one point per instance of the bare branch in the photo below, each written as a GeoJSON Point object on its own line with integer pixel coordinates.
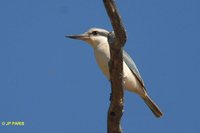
{"type": "Point", "coordinates": [116, 41]}
{"type": "Point", "coordinates": [116, 21]}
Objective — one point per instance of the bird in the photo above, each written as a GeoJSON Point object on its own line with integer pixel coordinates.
{"type": "Point", "coordinates": [98, 39]}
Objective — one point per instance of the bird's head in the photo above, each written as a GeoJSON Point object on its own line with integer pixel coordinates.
{"type": "Point", "coordinates": [93, 36]}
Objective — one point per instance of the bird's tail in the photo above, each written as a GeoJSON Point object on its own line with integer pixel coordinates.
{"type": "Point", "coordinates": [154, 108]}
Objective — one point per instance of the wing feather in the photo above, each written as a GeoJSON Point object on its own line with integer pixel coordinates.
{"type": "Point", "coordinates": [132, 66]}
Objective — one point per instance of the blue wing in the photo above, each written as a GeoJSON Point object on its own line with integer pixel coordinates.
{"type": "Point", "coordinates": [130, 63]}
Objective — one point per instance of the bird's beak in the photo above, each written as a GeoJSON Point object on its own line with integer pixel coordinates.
{"type": "Point", "coordinates": [79, 37]}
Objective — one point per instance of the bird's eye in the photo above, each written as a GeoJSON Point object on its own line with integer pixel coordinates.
{"type": "Point", "coordinates": [94, 33]}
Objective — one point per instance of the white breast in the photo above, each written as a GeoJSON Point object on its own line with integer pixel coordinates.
{"type": "Point", "coordinates": [102, 55]}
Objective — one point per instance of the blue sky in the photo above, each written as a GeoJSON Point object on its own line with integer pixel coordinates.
{"type": "Point", "coordinates": [54, 85]}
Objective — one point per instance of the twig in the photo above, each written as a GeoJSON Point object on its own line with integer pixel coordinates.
{"type": "Point", "coordinates": [116, 41]}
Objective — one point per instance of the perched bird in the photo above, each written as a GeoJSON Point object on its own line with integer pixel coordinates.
{"type": "Point", "coordinates": [98, 39]}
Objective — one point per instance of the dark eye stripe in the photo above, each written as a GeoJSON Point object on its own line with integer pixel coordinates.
{"type": "Point", "coordinates": [97, 33]}
{"type": "Point", "coordinates": [94, 33]}
{"type": "Point", "coordinates": [103, 34]}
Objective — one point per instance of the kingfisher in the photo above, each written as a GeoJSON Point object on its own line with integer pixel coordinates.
{"type": "Point", "coordinates": [98, 39]}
